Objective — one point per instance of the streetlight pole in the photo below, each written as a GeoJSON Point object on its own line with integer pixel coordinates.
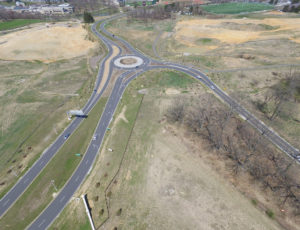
{"type": "Point", "coordinates": [53, 183]}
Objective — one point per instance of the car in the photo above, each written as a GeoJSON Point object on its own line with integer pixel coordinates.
{"type": "Point", "coordinates": [94, 137]}
{"type": "Point", "coordinates": [67, 135]}
{"type": "Point", "coordinates": [212, 87]}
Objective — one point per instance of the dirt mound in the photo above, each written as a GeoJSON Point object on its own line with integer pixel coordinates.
{"type": "Point", "coordinates": [246, 26]}
{"type": "Point", "coordinates": [46, 43]}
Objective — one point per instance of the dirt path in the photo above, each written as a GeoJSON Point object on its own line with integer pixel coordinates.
{"type": "Point", "coordinates": [154, 45]}
{"type": "Point", "coordinates": [106, 68]}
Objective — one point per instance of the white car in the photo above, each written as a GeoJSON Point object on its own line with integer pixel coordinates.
{"type": "Point", "coordinates": [212, 87]}
{"type": "Point", "coordinates": [94, 137]}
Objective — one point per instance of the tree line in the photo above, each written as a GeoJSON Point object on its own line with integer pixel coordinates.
{"type": "Point", "coordinates": [242, 146]}
{"type": "Point", "coordinates": [161, 12]}
{"type": "Point", "coordinates": [287, 90]}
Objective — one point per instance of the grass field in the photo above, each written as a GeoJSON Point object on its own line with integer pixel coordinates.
{"type": "Point", "coordinates": [118, 138]}
{"type": "Point", "coordinates": [36, 199]}
{"type": "Point", "coordinates": [160, 178]}
{"type": "Point", "coordinates": [236, 8]}
{"type": "Point", "coordinates": [12, 24]}
{"type": "Point", "coordinates": [133, 30]}
{"type": "Point", "coordinates": [238, 47]}
{"type": "Point", "coordinates": [34, 98]}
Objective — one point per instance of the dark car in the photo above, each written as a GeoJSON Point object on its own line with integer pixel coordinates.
{"type": "Point", "coordinates": [66, 136]}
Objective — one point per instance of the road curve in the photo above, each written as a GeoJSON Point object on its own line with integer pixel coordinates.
{"type": "Point", "coordinates": [53, 209]}
{"type": "Point", "coordinates": [23, 183]}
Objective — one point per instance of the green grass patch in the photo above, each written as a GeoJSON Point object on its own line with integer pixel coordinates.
{"type": "Point", "coordinates": [268, 27]}
{"type": "Point", "coordinates": [76, 225]}
{"type": "Point", "coordinates": [60, 168]}
{"type": "Point", "coordinates": [169, 27]}
{"type": "Point", "coordinates": [236, 8]}
{"type": "Point", "coordinates": [205, 40]}
{"type": "Point", "coordinates": [12, 24]}
{"type": "Point", "coordinates": [270, 214]}
{"type": "Point", "coordinates": [254, 202]}
{"type": "Point", "coordinates": [173, 79]}
{"type": "Point", "coordinates": [30, 96]}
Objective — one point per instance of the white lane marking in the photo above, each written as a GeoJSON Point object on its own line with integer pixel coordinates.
{"type": "Point", "coordinates": [87, 161]}
{"type": "Point", "coordinates": [41, 162]}
{"type": "Point", "coordinates": [25, 180]}
{"type": "Point", "coordinates": [90, 170]}
{"type": "Point", "coordinates": [44, 220]}
{"type": "Point", "coordinates": [77, 178]}
{"type": "Point", "coordinates": [62, 199]}
{"type": "Point", "coordinates": [5, 203]}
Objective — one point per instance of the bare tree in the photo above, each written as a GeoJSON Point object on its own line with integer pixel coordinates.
{"type": "Point", "coordinates": [176, 112]}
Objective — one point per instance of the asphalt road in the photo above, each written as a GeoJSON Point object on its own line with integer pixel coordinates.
{"type": "Point", "coordinates": [22, 184]}
{"type": "Point", "coordinates": [44, 220]}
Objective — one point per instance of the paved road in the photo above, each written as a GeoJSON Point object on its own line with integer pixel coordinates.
{"type": "Point", "coordinates": [22, 184]}
{"type": "Point", "coordinates": [52, 211]}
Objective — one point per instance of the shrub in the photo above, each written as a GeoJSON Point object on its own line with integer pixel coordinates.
{"type": "Point", "coordinates": [270, 213]}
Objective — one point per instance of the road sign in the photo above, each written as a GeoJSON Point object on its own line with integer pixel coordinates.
{"type": "Point", "coordinates": [77, 154]}
{"type": "Point", "coordinates": [108, 128]}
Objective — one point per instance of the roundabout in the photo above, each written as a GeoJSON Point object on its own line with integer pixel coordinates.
{"type": "Point", "coordinates": [128, 62]}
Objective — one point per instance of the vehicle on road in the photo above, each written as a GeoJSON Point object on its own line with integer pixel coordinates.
{"type": "Point", "coordinates": [67, 135]}
{"type": "Point", "coordinates": [212, 87]}
{"type": "Point", "coordinates": [94, 137]}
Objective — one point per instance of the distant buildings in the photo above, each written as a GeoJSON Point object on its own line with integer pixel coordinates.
{"type": "Point", "coordinates": [44, 9]}
{"type": "Point", "coordinates": [46, 1]}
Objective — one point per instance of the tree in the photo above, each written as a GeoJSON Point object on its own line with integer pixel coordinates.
{"type": "Point", "coordinates": [87, 17]}
{"type": "Point", "coordinates": [176, 113]}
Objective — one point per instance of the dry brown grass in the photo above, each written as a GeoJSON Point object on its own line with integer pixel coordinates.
{"type": "Point", "coordinates": [188, 31]}
{"type": "Point", "coordinates": [165, 181]}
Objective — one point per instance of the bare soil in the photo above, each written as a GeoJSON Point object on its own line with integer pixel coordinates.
{"type": "Point", "coordinates": [46, 42]}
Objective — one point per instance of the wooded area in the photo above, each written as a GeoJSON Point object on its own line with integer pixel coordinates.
{"type": "Point", "coordinates": [242, 146]}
